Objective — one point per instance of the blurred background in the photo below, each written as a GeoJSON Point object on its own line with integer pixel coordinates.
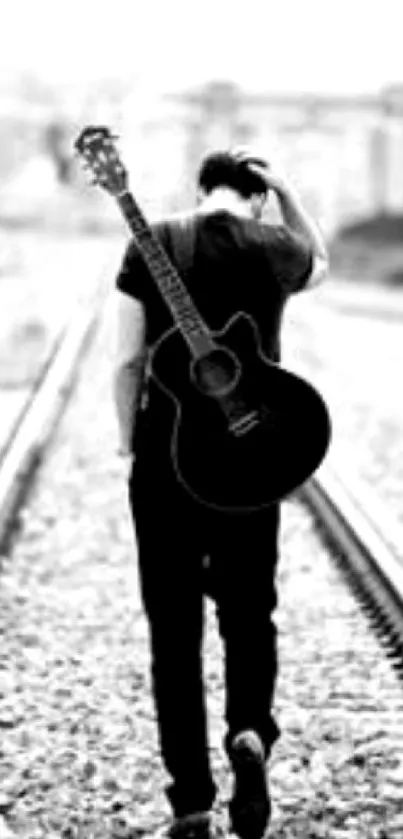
{"type": "Point", "coordinates": [318, 87]}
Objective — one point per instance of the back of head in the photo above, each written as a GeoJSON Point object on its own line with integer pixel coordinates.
{"type": "Point", "coordinates": [224, 169]}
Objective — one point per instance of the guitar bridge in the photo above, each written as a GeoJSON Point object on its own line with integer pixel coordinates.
{"type": "Point", "coordinates": [244, 424]}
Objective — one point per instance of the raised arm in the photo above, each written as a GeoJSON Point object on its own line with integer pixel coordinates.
{"type": "Point", "coordinates": [295, 216]}
{"type": "Point", "coordinates": [298, 220]}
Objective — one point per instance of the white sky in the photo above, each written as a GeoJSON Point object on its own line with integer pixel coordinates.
{"type": "Point", "coordinates": [273, 45]}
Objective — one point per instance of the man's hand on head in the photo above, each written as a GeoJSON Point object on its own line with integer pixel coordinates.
{"type": "Point", "coordinates": [261, 167]}
{"type": "Point", "coordinates": [242, 154]}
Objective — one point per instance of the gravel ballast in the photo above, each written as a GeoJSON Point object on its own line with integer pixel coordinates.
{"type": "Point", "coordinates": [355, 357]}
{"type": "Point", "coordinates": [79, 751]}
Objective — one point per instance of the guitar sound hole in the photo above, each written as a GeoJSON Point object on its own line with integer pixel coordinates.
{"type": "Point", "coordinates": [217, 373]}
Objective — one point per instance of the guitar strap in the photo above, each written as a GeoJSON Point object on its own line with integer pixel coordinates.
{"type": "Point", "coordinates": [182, 235]}
{"type": "Point", "coordinates": [182, 232]}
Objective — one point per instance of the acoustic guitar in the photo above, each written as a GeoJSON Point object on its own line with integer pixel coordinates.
{"type": "Point", "coordinates": [245, 431]}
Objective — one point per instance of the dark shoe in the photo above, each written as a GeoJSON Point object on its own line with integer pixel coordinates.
{"type": "Point", "coordinates": [249, 808]}
{"type": "Point", "coordinates": [193, 826]}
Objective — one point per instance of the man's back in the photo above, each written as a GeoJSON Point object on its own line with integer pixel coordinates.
{"type": "Point", "coordinates": [238, 264]}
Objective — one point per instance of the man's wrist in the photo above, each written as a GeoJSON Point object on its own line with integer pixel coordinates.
{"type": "Point", "coordinates": [285, 190]}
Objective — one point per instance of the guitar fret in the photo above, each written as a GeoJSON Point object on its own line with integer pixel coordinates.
{"type": "Point", "coordinates": [243, 456]}
{"type": "Point", "coordinates": [168, 280]}
{"type": "Point", "coordinates": [178, 298]}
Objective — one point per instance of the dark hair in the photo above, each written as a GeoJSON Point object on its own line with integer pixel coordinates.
{"type": "Point", "coordinates": [222, 168]}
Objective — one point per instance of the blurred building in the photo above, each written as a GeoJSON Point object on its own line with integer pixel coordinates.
{"type": "Point", "coordinates": [345, 154]}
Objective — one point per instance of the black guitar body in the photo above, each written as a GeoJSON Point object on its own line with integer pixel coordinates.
{"type": "Point", "coordinates": [245, 432]}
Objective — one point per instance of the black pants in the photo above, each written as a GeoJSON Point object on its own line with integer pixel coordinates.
{"type": "Point", "coordinates": [174, 536]}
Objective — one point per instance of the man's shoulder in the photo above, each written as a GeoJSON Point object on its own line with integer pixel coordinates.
{"type": "Point", "coordinates": [277, 234]}
{"type": "Point", "coordinates": [284, 242]}
{"type": "Point", "coordinates": [291, 257]}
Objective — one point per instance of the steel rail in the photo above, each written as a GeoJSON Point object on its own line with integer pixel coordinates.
{"type": "Point", "coordinates": [34, 428]}
{"type": "Point", "coordinates": [368, 543]}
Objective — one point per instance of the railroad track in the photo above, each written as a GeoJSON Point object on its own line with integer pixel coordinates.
{"type": "Point", "coordinates": [38, 419]}
{"type": "Point", "coordinates": [366, 538]}
{"type": "Point", "coordinates": [366, 542]}
{"type": "Point", "coordinates": [351, 519]}
{"type": "Point", "coordinates": [65, 611]}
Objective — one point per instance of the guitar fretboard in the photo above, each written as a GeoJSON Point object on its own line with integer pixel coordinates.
{"type": "Point", "coordinates": [170, 285]}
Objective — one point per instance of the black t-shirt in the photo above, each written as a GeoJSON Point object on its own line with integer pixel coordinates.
{"type": "Point", "coordinates": [239, 264]}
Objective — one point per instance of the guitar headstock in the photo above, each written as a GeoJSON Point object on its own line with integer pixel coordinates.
{"type": "Point", "coordinates": [96, 144]}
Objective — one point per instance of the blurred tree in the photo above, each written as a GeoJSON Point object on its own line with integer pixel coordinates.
{"type": "Point", "coordinates": [56, 143]}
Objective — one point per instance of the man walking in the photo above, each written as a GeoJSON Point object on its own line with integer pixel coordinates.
{"type": "Point", "coordinates": [240, 263]}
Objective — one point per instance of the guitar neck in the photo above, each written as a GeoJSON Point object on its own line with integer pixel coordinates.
{"type": "Point", "coordinates": [169, 283]}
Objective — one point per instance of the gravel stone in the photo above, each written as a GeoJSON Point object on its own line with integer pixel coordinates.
{"type": "Point", "coordinates": [79, 752]}
{"type": "Point", "coordinates": [355, 362]}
